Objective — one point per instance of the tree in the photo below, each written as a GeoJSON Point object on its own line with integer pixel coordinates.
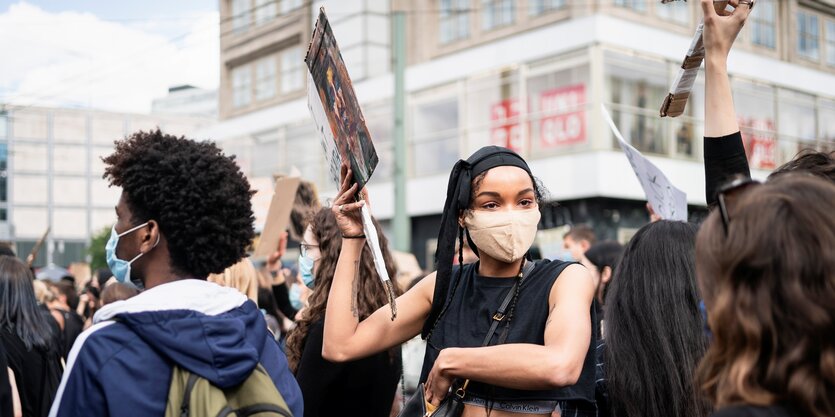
{"type": "Point", "coordinates": [96, 249]}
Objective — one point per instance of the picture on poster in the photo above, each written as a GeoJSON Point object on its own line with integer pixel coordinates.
{"type": "Point", "coordinates": [668, 201]}
{"type": "Point", "coordinates": [335, 108]}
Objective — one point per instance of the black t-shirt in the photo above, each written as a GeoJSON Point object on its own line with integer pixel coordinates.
{"type": "Point", "coordinates": [37, 373]}
{"type": "Point", "coordinates": [752, 411]}
{"type": "Point", "coordinates": [724, 159]}
{"type": "Point", "coordinates": [73, 326]}
{"type": "Point", "coordinates": [6, 404]}
{"type": "Point", "coordinates": [364, 387]}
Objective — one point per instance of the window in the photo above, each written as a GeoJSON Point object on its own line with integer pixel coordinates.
{"type": "Point", "coordinates": [640, 5]}
{"type": "Point", "coordinates": [497, 13]}
{"type": "Point", "coordinates": [292, 70]}
{"type": "Point", "coordinates": [826, 120]}
{"type": "Point", "coordinates": [763, 24]}
{"type": "Point", "coordinates": [538, 7]}
{"type": "Point", "coordinates": [636, 86]}
{"type": "Point", "coordinates": [434, 134]}
{"type": "Point", "coordinates": [807, 35]}
{"type": "Point", "coordinates": [265, 78]}
{"type": "Point", "coordinates": [830, 44]}
{"type": "Point", "coordinates": [264, 11]}
{"type": "Point", "coordinates": [757, 121]}
{"type": "Point", "coordinates": [677, 11]}
{"type": "Point", "coordinates": [241, 86]}
{"type": "Point", "coordinates": [240, 15]}
{"type": "Point", "coordinates": [4, 123]}
{"type": "Point", "coordinates": [454, 20]}
{"type": "Point", "coordinates": [288, 6]}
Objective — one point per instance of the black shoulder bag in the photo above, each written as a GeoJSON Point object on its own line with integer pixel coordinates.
{"type": "Point", "coordinates": [453, 404]}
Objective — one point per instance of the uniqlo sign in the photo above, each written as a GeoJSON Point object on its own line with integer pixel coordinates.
{"type": "Point", "coordinates": [505, 129]}
{"type": "Point", "coordinates": [563, 118]}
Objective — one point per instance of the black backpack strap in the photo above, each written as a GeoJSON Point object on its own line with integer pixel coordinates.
{"type": "Point", "coordinates": [184, 406]}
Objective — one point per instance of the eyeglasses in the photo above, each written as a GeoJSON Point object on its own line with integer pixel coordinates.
{"type": "Point", "coordinates": [305, 249]}
{"type": "Point", "coordinates": [729, 193]}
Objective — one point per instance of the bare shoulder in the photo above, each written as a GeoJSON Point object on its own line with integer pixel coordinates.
{"type": "Point", "coordinates": [574, 281]}
{"type": "Point", "coordinates": [425, 287]}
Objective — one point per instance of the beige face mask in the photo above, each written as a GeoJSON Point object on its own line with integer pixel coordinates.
{"type": "Point", "coordinates": [503, 235]}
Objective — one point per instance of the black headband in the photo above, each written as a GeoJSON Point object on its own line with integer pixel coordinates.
{"type": "Point", "coordinates": [459, 192]}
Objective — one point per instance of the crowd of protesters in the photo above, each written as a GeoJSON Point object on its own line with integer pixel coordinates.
{"type": "Point", "coordinates": [731, 317]}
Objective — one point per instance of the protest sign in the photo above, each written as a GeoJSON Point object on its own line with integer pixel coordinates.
{"type": "Point", "coordinates": [341, 126]}
{"type": "Point", "coordinates": [335, 109]}
{"type": "Point", "coordinates": [668, 201]}
{"type": "Point", "coordinates": [676, 100]}
{"type": "Point", "coordinates": [278, 216]}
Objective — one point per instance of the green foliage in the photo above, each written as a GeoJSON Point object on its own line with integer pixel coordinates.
{"type": "Point", "coordinates": [96, 249]}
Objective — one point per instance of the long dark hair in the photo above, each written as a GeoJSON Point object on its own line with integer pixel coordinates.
{"type": "Point", "coordinates": [369, 291]}
{"type": "Point", "coordinates": [19, 310]}
{"type": "Point", "coordinates": [769, 286]}
{"type": "Point", "coordinates": [654, 331]}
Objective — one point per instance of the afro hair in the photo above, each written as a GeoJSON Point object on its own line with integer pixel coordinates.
{"type": "Point", "coordinates": [197, 195]}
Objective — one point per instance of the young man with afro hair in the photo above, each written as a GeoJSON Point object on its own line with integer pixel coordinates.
{"type": "Point", "coordinates": [184, 213]}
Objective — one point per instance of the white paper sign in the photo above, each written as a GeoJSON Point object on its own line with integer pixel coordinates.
{"type": "Point", "coordinates": [668, 201]}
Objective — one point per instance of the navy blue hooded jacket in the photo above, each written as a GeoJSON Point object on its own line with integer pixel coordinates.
{"type": "Point", "coordinates": [123, 367]}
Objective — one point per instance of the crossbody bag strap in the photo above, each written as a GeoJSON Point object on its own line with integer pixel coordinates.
{"type": "Point", "coordinates": [499, 317]}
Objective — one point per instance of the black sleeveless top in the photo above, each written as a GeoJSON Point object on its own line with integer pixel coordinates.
{"type": "Point", "coordinates": [469, 314]}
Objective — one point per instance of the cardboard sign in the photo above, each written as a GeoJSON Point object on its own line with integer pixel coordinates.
{"type": "Point", "coordinates": [261, 200]}
{"type": "Point", "coordinates": [331, 99]}
{"type": "Point", "coordinates": [668, 201]}
{"type": "Point", "coordinates": [278, 216]}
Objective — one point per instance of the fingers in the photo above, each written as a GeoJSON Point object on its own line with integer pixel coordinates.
{"type": "Point", "coordinates": [707, 8]}
{"type": "Point", "coordinates": [742, 11]}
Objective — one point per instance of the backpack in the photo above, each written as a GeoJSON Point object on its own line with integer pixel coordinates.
{"type": "Point", "coordinates": [193, 395]}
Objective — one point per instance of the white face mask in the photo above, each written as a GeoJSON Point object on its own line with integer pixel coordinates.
{"type": "Point", "coordinates": [503, 235]}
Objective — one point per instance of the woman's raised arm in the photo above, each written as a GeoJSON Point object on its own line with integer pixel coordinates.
{"type": "Point", "coordinates": [347, 338]}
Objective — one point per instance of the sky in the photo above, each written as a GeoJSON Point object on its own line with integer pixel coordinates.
{"type": "Point", "coordinates": [105, 54]}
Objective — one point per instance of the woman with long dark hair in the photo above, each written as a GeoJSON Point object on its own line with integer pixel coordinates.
{"type": "Point", "coordinates": [32, 345]}
{"type": "Point", "coordinates": [766, 267]}
{"type": "Point", "coordinates": [538, 348]}
{"type": "Point", "coordinates": [365, 386]}
{"type": "Point", "coordinates": [654, 331]}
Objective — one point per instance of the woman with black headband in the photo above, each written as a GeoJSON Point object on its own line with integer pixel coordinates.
{"type": "Point", "coordinates": [512, 336]}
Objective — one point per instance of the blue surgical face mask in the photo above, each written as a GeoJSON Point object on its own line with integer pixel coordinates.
{"type": "Point", "coordinates": [119, 267]}
{"type": "Point", "coordinates": [306, 270]}
{"type": "Point", "coordinates": [295, 297]}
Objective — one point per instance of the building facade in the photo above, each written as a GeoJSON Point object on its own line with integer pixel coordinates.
{"type": "Point", "coordinates": [532, 75]}
{"type": "Point", "coordinates": [51, 175]}
{"type": "Point", "coordinates": [187, 100]}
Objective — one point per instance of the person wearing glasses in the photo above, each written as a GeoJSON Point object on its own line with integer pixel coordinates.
{"type": "Point", "coordinates": [724, 153]}
{"type": "Point", "coordinates": [362, 387]}
{"type": "Point", "coordinates": [766, 270]}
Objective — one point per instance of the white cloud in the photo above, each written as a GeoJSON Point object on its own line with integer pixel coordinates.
{"type": "Point", "coordinates": [75, 59]}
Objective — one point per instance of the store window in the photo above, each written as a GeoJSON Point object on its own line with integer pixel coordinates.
{"type": "Point", "coordinates": [454, 20]}
{"type": "Point", "coordinates": [764, 24]}
{"type": "Point", "coordinates": [677, 11]}
{"type": "Point", "coordinates": [379, 121]}
{"type": "Point", "coordinates": [640, 5]}
{"type": "Point", "coordinates": [826, 122]}
{"type": "Point", "coordinates": [304, 152]}
{"type": "Point", "coordinates": [494, 111]}
{"type": "Point", "coordinates": [796, 122]}
{"type": "Point", "coordinates": [434, 133]}
{"type": "Point", "coordinates": [497, 13]}
{"type": "Point", "coordinates": [4, 175]}
{"type": "Point", "coordinates": [288, 6]}
{"type": "Point", "coordinates": [265, 72]}
{"type": "Point", "coordinates": [637, 87]}
{"type": "Point", "coordinates": [757, 117]}
{"type": "Point", "coordinates": [538, 7]}
{"type": "Point", "coordinates": [292, 70]}
{"type": "Point", "coordinates": [4, 124]}
{"type": "Point", "coordinates": [807, 35]}
{"type": "Point", "coordinates": [240, 15]}
{"type": "Point", "coordinates": [557, 108]}
{"type": "Point", "coordinates": [241, 86]}
{"type": "Point", "coordinates": [264, 11]}
{"type": "Point", "coordinates": [830, 43]}
{"type": "Point", "coordinates": [265, 154]}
